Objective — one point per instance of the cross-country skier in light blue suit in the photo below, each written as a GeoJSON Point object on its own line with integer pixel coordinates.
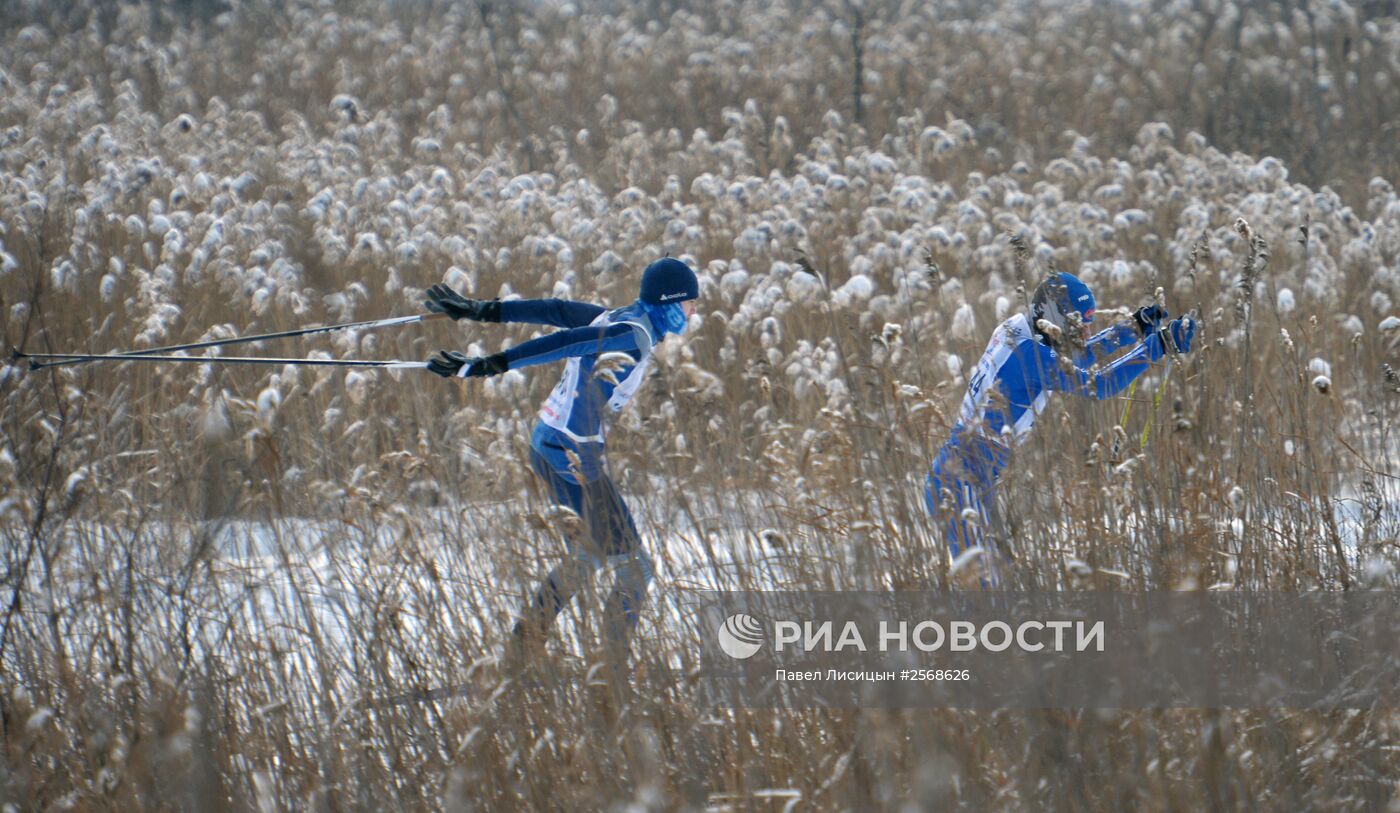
{"type": "Point", "coordinates": [572, 423]}
{"type": "Point", "coordinates": [1022, 365]}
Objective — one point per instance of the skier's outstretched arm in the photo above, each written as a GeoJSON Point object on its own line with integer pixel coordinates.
{"type": "Point", "coordinates": [579, 341]}
{"type": "Point", "coordinates": [1110, 339]}
{"type": "Point", "coordinates": [1115, 377]}
{"type": "Point", "coordinates": [1109, 381]}
{"type": "Point", "coordinates": [555, 312]}
{"type": "Point", "coordinates": [1115, 337]}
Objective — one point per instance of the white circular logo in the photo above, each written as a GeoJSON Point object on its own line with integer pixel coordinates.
{"type": "Point", "coordinates": [741, 636]}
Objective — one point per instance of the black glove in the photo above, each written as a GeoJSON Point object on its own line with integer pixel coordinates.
{"type": "Point", "coordinates": [1149, 318]}
{"type": "Point", "coordinates": [442, 299]}
{"type": "Point", "coordinates": [449, 363]}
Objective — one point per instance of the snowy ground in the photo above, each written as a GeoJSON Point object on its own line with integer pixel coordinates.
{"type": "Point", "coordinates": [311, 589]}
{"type": "Point", "coordinates": [315, 586]}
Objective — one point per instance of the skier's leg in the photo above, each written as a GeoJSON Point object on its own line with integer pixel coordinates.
{"type": "Point", "coordinates": [983, 471]}
{"type": "Point", "coordinates": [555, 592]}
{"type": "Point", "coordinates": [947, 495]}
{"type": "Point", "coordinates": [971, 515]}
{"type": "Point", "coordinates": [980, 555]}
{"type": "Point", "coordinates": [941, 503]}
{"type": "Point", "coordinates": [563, 582]}
{"type": "Point", "coordinates": [614, 534]}
{"type": "Point", "coordinates": [632, 575]}
{"type": "Point", "coordinates": [997, 533]}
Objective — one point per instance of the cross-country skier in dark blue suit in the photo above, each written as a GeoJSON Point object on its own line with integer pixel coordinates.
{"type": "Point", "coordinates": [1022, 365]}
{"type": "Point", "coordinates": [572, 424]}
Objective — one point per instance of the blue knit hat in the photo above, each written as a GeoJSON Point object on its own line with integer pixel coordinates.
{"type": "Point", "coordinates": [669, 280]}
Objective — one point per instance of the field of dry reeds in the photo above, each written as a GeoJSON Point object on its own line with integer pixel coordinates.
{"type": "Point", "coordinates": [214, 579]}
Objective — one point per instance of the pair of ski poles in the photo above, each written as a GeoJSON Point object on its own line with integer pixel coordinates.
{"type": "Point", "coordinates": [1168, 344]}
{"type": "Point", "coordinates": [39, 361]}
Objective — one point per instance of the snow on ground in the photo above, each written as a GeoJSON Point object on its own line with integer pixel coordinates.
{"type": "Point", "coordinates": [312, 586]}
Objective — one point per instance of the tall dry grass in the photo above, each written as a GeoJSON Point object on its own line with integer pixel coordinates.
{"type": "Point", "coordinates": [214, 578]}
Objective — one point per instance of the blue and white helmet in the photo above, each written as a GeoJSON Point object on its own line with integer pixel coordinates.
{"type": "Point", "coordinates": [1064, 301]}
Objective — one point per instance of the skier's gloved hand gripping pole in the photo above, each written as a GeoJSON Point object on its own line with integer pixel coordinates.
{"type": "Point", "coordinates": [1177, 335]}
{"type": "Point", "coordinates": [450, 363]}
{"type": "Point", "coordinates": [80, 358]}
{"type": "Point", "coordinates": [444, 301]}
{"type": "Point", "coordinates": [447, 302]}
{"type": "Point", "coordinates": [1149, 318]}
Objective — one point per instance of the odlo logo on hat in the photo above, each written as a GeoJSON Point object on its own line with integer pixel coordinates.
{"type": "Point", "coordinates": [741, 636]}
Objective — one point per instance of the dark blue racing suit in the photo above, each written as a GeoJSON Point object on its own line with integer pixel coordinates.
{"type": "Point", "coordinates": [567, 450]}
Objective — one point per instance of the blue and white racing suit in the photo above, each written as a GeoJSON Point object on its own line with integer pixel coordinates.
{"type": "Point", "coordinates": [1008, 389]}
{"type": "Point", "coordinates": [572, 423]}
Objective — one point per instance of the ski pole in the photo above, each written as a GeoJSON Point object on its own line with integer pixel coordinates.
{"type": "Point", "coordinates": [284, 334]}
{"type": "Point", "coordinates": [1156, 402]}
{"type": "Point", "coordinates": [392, 364]}
{"type": "Point", "coordinates": [1169, 345]}
{"type": "Point", "coordinates": [1194, 316]}
{"type": "Point", "coordinates": [1169, 348]}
